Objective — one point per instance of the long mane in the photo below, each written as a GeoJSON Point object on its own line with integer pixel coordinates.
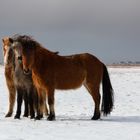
{"type": "Point", "coordinates": [26, 41]}
{"type": "Point", "coordinates": [29, 42]}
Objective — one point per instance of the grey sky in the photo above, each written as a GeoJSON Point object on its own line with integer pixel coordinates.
{"type": "Point", "coordinates": [109, 29]}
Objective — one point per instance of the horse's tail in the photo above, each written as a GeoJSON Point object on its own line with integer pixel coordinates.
{"type": "Point", "coordinates": [108, 97]}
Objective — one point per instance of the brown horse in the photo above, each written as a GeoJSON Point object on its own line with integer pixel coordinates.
{"type": "Point", "coordinates": [51, 71]}
{"type": "Point", "coordinates": [20, 82]}
{"type": "Point", "coordinates": [9, 75]}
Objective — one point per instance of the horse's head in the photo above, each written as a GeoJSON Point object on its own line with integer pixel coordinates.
{"type": "Point", "coordinates": [7, 51]}
{"type": "Point", "coordinates": [24, 53]}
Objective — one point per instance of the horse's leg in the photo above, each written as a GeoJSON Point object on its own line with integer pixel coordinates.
{"type": "Point", "coordinates": [12, 96]}
{"type": "Point", "coordinates": [96, 97]}
{"type": "Point", "coordinates": [38, 116]}
{"type": "Point", "coordinates": [51, 104]}
{"type": "Point", "coordinates": [35, 100]}
{"type": "Point", "coordinates": [31, 104]}
{"type": "Point", "coordinates": [19, 103]}
{"type": "Point", "coordinates": [40, 104]}
{"type": "Point", "coordinates": [26, 111]}
{"type": "Point", "coordinates": [45, 104]}
{"type": "Point", "coordinates": [94, 92]}
{"type": "Point", "coordinates": [46, 109]}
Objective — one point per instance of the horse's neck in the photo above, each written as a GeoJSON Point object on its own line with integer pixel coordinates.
{"type": "Point", "coordinates": [42, 58]}
{"type": "Point", "coordinates": [11, 65]}
{"type": "Point", "coordinates": [42, 55]}
{"type": "Point", "coordinates": [9, 71]}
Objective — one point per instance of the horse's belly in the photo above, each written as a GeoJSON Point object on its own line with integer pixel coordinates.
{"type": "Point", "coordinates": [70, 81]}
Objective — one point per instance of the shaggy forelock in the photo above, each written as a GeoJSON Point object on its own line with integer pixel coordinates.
{"type": "Point", "coordinates": [25, 40]}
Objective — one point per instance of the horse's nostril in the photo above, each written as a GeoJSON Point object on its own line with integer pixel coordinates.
{"type": "Point", "coordinates": [26, 71]}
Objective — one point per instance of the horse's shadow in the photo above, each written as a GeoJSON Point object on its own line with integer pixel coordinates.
{"type": "Point", "coordinates": [123, 119]}
{"type": "Point", "coordinates": [119, 119]}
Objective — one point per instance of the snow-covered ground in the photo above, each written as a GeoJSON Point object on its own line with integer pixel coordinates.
{"type": "Point", "coordinates": [74, 108]}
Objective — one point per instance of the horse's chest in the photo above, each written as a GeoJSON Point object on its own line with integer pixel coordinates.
{"type": "Point", "coordinates": [37, 81]}
{"type": "Point", "coordinates": [40, 81]}
{"type": "Point", "coordinates": [21, 79]}
{"type": "Point", "coordinates": [9, 74]}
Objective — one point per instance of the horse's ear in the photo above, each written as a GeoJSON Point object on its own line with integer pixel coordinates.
{"type": "Point", "coordinates": [11, 40]}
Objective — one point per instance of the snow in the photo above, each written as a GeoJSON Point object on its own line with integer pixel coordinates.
{"type": "Point", "coordinates": [74, 108]}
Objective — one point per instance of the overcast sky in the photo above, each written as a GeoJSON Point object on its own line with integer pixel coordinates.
{"type": "Point", "coordinates": [109, 29]}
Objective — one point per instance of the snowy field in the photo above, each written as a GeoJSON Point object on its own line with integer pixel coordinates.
{"type": "Point", "coordinates": [74, 108]}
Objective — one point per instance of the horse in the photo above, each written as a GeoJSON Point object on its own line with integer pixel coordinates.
{"type": "Point", "coordinates": [51, 71]}
{"type": "Point", "coordinates": [18, 81]}
{"type": "Point", "coordinates": [9, 75]}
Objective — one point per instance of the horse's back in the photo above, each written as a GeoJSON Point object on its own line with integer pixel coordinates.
{"type": "Point", "coordinates": [85, 60]}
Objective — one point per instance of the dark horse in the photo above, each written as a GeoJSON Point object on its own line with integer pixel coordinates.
{"type": "Point", "coordinates": [18, 81]}
{"type": "Point", "coordinates": [51, 71]}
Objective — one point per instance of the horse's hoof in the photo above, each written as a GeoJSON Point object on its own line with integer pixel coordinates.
{"type": "Point", "coordinates": [25, 115]}
{"type": "Point", "coordinates": [37, 118]}
{"type": "Point", "coordinates": [51, 118]}
{"type": "Point", "coordinates": [96, 117]}
{"type": "Point", "coordinates": [8, 115]}
{"type": "Point", "coordinates": [32, 117]}
{"type": "Point", "coordinates": [41, 116]}
{"type": "Point", "coordinates": [17, 117]}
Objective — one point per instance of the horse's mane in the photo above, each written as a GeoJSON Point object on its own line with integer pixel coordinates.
{"type": "Point", "coordinates": [26, 41]}
{"type": "Point", "coordinates": [29, 42]}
